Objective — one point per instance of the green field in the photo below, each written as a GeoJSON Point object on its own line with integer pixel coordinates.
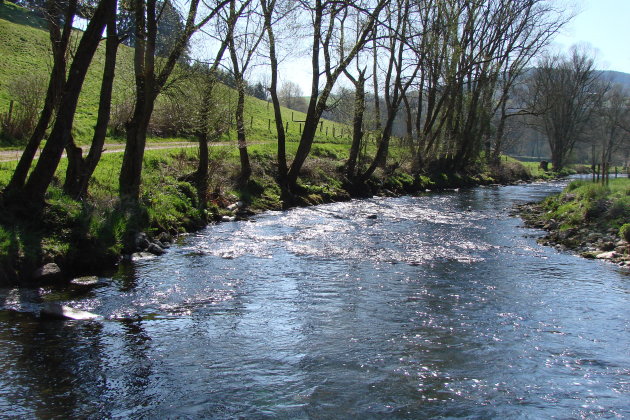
{"type": "Point", "coordinates": [25, 52]}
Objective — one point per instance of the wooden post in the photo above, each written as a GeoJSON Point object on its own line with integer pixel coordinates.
{"type": "Point", "coordinates": [300, 128]}
{"type": "Point", "coordinates": [286, 130]}
{"type": "Point", "coordinates": [326, 131]}
{"type": "Point", "coordinates": [269, 124]}
{"type": "Point", "coordinates": [10, 113]}
{"type": "Point", "coordinates": [251, 122]}
{"type": "Point", "coordinates": [321, 126]}
{"type": "Point", "coordinates": [333, 131]}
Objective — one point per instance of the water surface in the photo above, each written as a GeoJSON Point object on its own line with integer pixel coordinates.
{"type": "Point", "coordinates": [442, 306]}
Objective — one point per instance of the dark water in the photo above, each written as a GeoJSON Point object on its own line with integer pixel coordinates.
{"type": "Point", "coordinates": [443, 306]}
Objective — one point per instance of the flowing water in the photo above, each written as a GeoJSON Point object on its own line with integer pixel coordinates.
{"type": "Point", "coordinates": [441, 306]}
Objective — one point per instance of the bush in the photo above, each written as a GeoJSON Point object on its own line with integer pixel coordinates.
{"type": "Point", "coordinates": [28, 94]}
{"type": "Point", "coordinates": [624, 232]}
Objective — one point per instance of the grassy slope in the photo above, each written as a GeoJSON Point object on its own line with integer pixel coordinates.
{"type": "Point", "coordinates": [25, 51]}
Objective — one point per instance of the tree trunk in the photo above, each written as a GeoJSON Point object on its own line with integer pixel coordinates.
{"type": "Point", "coordinates": [43, 173]}
{"type": "Point", "coordinates": [246, 169]}
{"type": "Point", "coordinates": [59, 42]}
{"type": "Point", "coordinates": [380, 159]}
{"type": "Point", "coordinates": [131, 170]}
{"type": "Point", "coordinates": [77, 186]}
{"type": "Point", "coordinates": [357, 125]}
{"type": "Point", "coordinates": [273, 91]}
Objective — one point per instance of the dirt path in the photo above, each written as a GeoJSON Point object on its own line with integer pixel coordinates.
{"type": "Point", "coordinates": [14, 155]}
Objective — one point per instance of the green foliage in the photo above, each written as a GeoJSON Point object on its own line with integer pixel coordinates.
{"type": "Point", "coordinates": [624, 232]}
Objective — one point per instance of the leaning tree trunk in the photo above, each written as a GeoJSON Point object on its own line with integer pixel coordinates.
{"type": "Point", "coordinates": [77, 186]}
{"type": "Point", "coordinates": [42, 175]}
{"type": "Point", "coordinates": [59, 42]}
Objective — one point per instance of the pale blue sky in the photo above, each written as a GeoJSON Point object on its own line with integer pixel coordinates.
{"type": "Point", "coordinates": [605, 25]}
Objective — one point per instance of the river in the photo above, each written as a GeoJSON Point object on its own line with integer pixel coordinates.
{"type": "Point", "coordinates": [442, 306]}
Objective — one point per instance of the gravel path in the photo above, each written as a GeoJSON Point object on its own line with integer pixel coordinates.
{"type": "Point", "coordinates": [14, 155]}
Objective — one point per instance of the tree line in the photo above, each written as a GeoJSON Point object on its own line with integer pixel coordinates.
{"type": "Point", "coordinates": [450, 68]}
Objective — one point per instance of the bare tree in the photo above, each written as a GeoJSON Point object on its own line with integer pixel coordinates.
{"type": "Point", "coordinates": [243, 41]}
{"type": "Point", "coordinates": [325, 18]}
{"type": "Point", "coordinates": [401, 71]}
{"type": "Point", "coordinates": [275, 12]}
{"type": "Point", "coordinates": [150, 81]}
{"type": "Point", "coordinates": [290, 95]}
{"type": "Point", "coordinates": [565, 92]}
{"type": "Point", "coordinates": [612, 115]}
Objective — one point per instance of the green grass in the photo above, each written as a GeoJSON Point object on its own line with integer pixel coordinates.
{"type": "Point", "coordinates": [25, 52]}
{"type": "Point", "coordinates": [584, 202]}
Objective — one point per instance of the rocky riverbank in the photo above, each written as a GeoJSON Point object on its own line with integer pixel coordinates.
{"type": "Point", "coordinates": [586, 219]}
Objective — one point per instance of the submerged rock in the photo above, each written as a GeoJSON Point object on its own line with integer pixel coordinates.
{"type": "Point", "coordinates": [87, 281]}
{"type": "Point", "coordinates": [58, 311]}
{"type": "Point", "coordinates": [141, 256]}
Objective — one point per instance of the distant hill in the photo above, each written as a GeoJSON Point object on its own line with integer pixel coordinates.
{"type": "Point", "coordinates": [617, 77]}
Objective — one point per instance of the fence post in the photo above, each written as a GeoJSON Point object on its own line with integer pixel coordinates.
{"type": "Point", "coordinates": [10, 113]}
{"type": "Point", "coordinates": [286, 130]}
{"type": "Point", "coordinates": [251, 122]}
{"type": "Point", "coordinates": [300, 128]}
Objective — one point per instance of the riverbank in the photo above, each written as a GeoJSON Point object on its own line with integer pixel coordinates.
{"type": "Point", "coordinates": [587, 218]}
{"type": "Point", "coordinates": [70, 239]}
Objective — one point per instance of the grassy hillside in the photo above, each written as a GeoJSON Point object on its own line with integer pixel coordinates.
{"type": "Point", "coordinates": [25, 52]}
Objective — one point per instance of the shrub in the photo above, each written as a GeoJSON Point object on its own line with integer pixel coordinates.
{"type": "Point", "coordinates": [624, 232]}
{"type": "Point", "coordinates": [28, 94]}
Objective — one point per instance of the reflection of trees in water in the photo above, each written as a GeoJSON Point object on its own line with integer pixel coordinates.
{"type": "Point", "coordinates": [55, 367]}
{"type": "Point", "coordinates": [138, 365]}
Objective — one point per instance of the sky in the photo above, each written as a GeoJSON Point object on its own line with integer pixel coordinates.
{"type": "Point", "coordinates": [605, 26]}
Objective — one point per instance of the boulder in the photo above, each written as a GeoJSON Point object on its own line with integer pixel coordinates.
{"type": "Point", "coordinates": [50, 271]}
{"type": "Point", "coordinates": [607, 255]}
{"type": "Point", "coordinates": [165, 238]}
{"type": "Point", "coordinates": [155, 249]}
{"type": "Point", "coordinates": [593, 237]}
{"type": "Point", "coordinates": [228, 218]}
{"type": "Point", "coordinates": [142, 241]}
{"type": "Point", "coordinates": [58, 311]}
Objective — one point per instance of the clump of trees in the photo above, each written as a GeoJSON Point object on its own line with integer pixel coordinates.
{"type": "Point", "coordinates": [447, 68]}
